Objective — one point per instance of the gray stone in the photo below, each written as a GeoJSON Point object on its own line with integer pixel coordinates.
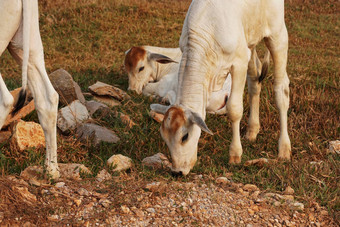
{"type": "Point", "coordinates": [66, 87]}
{"type": "Point", "coordinates": [70, 116]}
{"type": "Point", "coordinates": [72, 170]}
{"type": "Point", "coordinates": [158, 160]}
{"type": "Point", "coordinates": [100, 88]}
{"type": "Point", "coordinates": [93, 106]}
{"type": "Point", "coordinates": [95, 134]}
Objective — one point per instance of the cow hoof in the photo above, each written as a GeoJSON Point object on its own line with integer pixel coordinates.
{"type": "Point", "coordinates": [53, 173]}
{"type": "Point", "coordinates": [251, 135]}
{"type": "Point", "coordinates": [234, 159]}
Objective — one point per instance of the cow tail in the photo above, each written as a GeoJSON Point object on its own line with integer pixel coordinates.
{"type": "Point", "coordinates": [265, 66]}
{"type": "Point", "coordinates": [26, 17]}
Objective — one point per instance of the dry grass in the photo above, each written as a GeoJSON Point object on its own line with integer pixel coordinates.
{"type": "Point", "coordinates": [88, 38]}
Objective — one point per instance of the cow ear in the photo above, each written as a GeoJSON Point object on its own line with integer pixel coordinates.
{"type": "Point", "coordinates": [160, 58]}
{"type": "Point", "coordinates": [158, 108]}
{"type": "Point", "coordinates": [195, 118]}
{"type": "Point", "coordinates": [126, 52]}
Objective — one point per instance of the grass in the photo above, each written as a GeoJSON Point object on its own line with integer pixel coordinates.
{"type": "Point", "coordinates": [88, 38]}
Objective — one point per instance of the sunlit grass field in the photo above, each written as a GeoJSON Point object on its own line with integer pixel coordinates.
{"type": "Point", "coordinates": [88, 38]}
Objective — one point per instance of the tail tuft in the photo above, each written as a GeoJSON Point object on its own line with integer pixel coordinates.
{"type": "Point", "coordinates": [20, 103]}
{"type": "Point", "coordinates": [264, 71]}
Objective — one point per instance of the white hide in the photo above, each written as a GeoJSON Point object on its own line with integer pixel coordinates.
{"type": "Point", "coordinates": [19, 33]}
{"type": "Point", "coordinates": [218, 37]}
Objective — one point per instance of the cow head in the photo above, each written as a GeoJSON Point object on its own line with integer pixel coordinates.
{"type": "Point", "coordinates": [181, 129]}
{"type": "Point", "coordinates": [141, 67]}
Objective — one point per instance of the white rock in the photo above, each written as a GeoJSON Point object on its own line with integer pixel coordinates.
{"type": "Point", "coordinates": [222, 180]}
{"type": "Point", "coordinates": [119, 162]}
{"type": "Point", "coordinates": [334, 146]}
{"type": "Point", "coordinates": [71, 115]}
{"type": "Point", "coordinates": [60, 184]}
{"type": "Point", "coordinates": [103, 175]}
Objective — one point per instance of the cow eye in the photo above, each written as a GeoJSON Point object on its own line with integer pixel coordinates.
{"type": "Point", "coordinates": [185, 137]}
{"type": "Point", "coordinates": [141, 68]}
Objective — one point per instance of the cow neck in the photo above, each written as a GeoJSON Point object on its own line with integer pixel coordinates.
{"type": "Point", "coordinates": [192, 86]}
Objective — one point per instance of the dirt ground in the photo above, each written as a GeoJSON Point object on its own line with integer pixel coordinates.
{"type": "Point", "coordinates": [129, 200]}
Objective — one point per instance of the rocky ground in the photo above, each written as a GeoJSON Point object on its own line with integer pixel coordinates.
{"type": "Point", "coordinates": [129, 200]}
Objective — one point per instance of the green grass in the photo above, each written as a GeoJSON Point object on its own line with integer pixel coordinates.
{"type": "Point", "coordinates": [88, 38]}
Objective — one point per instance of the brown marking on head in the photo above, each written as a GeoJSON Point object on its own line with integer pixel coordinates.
{"type": "Point", "coordinates": [174, 118]}
{"type": "Point", "coordinates": [133, 56]}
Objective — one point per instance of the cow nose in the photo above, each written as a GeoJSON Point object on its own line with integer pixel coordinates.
{"type": "Point", "coordinates": [176, 174]}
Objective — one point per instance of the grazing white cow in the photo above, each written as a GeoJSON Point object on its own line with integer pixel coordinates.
{"type": "Point", "coordinates": [19, 33]}
{"type": "Point", "coordinates": [154, 71]}
{"type": "Point", "coordinates": [219, 36]}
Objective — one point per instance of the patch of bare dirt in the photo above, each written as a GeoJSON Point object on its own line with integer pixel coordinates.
{"type": "Point", "coordinates": [127, 200]}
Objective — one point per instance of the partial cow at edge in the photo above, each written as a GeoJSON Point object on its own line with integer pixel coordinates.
{"type": "Point", "coordinates": [19, 26]}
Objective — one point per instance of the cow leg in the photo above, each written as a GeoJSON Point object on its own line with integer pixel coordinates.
{"type": "Point", "coordinates": [46, 102]}
{"type": "Point", "coordinates": [6, 102]}
{"type": "Point", "coordinates": [254, 90]}
{"type": "Point", "coordinates": [235, 108]}
{"type": "Point", "coordinates": [278, 47]}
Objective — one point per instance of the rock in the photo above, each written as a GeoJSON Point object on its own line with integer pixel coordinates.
{"type": "Point", "coordinates": [100, 88]}
{"type": "Point", "coordinates": [105, 202]}
{"type": "Point", "coordinates": [83, 192]}
{"type": "Point", "coordinates": [119, 162]}
{"type": "Point", "coordinates": [158, 160]}
{"type": "Point", "coordinates": [95, 134]}
{"type": "Point", "coordinates": [222, 180]}
{"type": "Point", "coordinates": [67, 89]}
{"type": "Point", "coordinates": [334, 147]}
{"type": "Point", "coordinates": [60, 184]}
{"type": "Point", "coordinates": [250, 187]}
{"type": "Point", "coordinates": [34, 175]}
{"type": "Point", "coordinates": [296, 206]}
{"type": "Point", "coordinates": [153, 186]}
{"type": "Point", "coordinates": [103, 175]}
{"type": "Point", "coordinates": [107, 100]}
{"type": "Point", "coordinates": [156, 116]}
{"type": "Point", "coordinates": [70, 116]}
{"type": "Point", "coordinates": [125, 209]}
{"type": "Point", "coordinates": [27, 134]}
{"type": "Point", "coordinates": [259, 162]}
{"type": "Point", "coordinates": [4, 136]}
{"type": "Point", "coordinates": [25, 194]}
{"type": "Point", "coordinates": [151, 210]}
{"type": "Point", "coordinates": [288, 191]}
{"type": "Point", "coordinates": [93, 106]}
{"type": "Point", "coordinates": [72, 170]}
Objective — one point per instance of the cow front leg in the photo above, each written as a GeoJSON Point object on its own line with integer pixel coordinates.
{"type": "Point", "coordinates": [6, 102]}
{"type": "Point", "coordinates": [235, 109]}
{"type": "Point", "coordinates": [278, 47]}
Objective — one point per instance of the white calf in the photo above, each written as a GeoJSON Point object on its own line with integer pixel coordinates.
{"type": "Point", "coordinates": [19, 26]}
{"type": "Point", "coordinates": [154, 71]}
{"type": "Point", "coordinates": [219, 36]}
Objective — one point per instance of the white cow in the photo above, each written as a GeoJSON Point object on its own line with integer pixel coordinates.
{"type": "Point", "coordinates": [19, 33]}
{"type": "Point", "coordinates": [154, 71]}
{"type": "Point", "coordinates": [219, 36]}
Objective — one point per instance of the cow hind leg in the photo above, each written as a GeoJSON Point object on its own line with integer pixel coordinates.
{"type": "Point", "coordinates": [235, 109]}
{"type": "Point", "coordinates": [46, 103]}
{"type": "Point", "coordinates": [254, 90]}
{"type": "Point", "coordinates": [6, 102]}
{"type": "Point", "coordinates": [278, 47]}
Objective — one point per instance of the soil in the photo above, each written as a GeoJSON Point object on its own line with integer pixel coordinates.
{"type": "Point", "coordinates": [129, 200]}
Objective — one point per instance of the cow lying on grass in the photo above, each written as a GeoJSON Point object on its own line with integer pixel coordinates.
{"type": "Point", "coordinates": [19, 26]}
{"type": "Point", "coordinates": [154, 71]}
{"type": "Point", "coordinates": [219, 37]}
